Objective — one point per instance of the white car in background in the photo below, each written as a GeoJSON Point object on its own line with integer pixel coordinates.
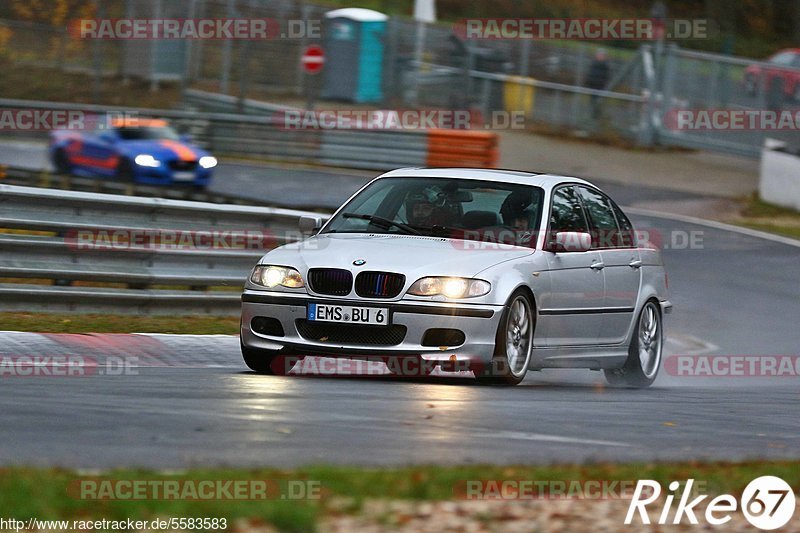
{"type": "Point", "coordinates": [506, 271]}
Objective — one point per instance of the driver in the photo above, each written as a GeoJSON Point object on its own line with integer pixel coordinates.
{"type": "Point", "coordinates": [419, 210]}
{"type": "Point", "coordinates": [425, 208]}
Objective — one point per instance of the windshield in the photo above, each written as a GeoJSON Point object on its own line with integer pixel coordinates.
{"type": "Point", "coordinates": [444, 207]}
{"type": "Point", "coordinates": [147, 133]}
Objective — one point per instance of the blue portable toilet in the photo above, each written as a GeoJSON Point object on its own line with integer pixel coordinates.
{"type": "Point", "coordinates": [354, 55]}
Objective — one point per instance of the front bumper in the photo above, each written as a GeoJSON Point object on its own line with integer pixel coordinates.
{"type": "Point", "coordinates": [477, 322]}
{"type": "Point", "coordinates": [164, 175]}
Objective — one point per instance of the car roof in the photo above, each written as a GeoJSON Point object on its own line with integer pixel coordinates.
{"type": "Point", "coordinates": [521, 177]}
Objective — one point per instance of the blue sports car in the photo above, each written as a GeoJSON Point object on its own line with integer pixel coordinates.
{"type": "Point", "coordinates": [146, 151]}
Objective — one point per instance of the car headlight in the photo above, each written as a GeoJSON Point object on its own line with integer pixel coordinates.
{"type": "Point", "coordinates": [145, 160]}
{"type": "Point", "coordinates": [450, 287]}
{"type": "Point", "coordinates": [208, 161]}
{"type": "Point", "coordinates": [272, 276]}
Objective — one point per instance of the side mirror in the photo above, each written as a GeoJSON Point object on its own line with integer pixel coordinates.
{"type": "Point", "coordinates": [310, 224]}
{"type": "Point", "coordinates": [570, 241]}
{"type": "Point", "coordinates": [186, 138]}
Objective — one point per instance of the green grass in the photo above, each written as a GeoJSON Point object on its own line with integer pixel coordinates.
{"type": "Point", "coordinates": [755, 207]}
{"type": "Point", "coordinates": [758, 214]}
{"type": "Point", "coordinates": [27, 82]}
{"type": "Point", "coordinates": [786, 231]}
{"type": "Point", "coordinates": [91, 323]}
{"type": "Point", "coordinates": [43, 493]}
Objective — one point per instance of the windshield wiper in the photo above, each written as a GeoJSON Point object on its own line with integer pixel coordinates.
{"type": "Point", "coordinates": [384, 222]}
{"type": "Point", "coordinates": [436, 228]}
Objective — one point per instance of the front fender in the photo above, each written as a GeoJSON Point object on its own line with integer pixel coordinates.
{"type": "Point", "coordinates": [529, 272]}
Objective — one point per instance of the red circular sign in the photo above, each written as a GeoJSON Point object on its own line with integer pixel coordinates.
{"type": "Point", "coordinates": [313, 59]}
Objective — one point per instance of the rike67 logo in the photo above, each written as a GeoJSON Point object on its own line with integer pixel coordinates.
{"type": "Point", "coordinates": [767, 502]}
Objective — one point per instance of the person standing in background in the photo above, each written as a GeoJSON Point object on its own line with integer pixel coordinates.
{"type": "Point", "coordinates": [597, 78]}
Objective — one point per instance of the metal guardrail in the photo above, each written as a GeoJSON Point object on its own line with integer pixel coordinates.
{"type": "Point", "coordinates": [67, 237]}
{"type": "Point", "coordinates": [223, 103]}
{"type": "Point", "coordinates": [266, 135]}
{"type": "Point", "coordinates": [27, 177]}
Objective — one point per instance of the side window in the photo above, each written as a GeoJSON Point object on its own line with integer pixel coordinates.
{"type": "Point", "coordinates": [567, 212]}
{"type": "Point", "coordinates": [605, 232]}
{"type": "Point", "coordinates": [627, 235]}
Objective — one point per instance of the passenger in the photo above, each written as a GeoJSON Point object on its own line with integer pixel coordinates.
{"type": "Point", "coordinates": [517, 212]}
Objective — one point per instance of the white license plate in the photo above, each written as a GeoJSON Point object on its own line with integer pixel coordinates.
{"type": "Point", "coordinates": [183, 176]}
{"type": "Point", "coordinates": [345, 314]}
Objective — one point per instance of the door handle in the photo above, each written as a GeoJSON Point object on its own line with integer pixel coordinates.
{"type": "Point", "coordinates": [636, 263]}
{"type": "Point", "coordinates": [598, 266]}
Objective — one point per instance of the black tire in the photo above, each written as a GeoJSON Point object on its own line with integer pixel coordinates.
{"type": "Point", "coordinates": [125, 170]}
{"type": "Point", "coordinates": [61, 162]}
{"type": "Point", "coordinates": [261, 361]}
{"type": "Point", "coordinates": [500, 371]}
{"type": "Point", "coordinates": [632, 374]}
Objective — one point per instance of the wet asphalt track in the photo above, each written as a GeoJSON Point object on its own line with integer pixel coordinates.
{"type": "Point", "coordinates": [190, 401]}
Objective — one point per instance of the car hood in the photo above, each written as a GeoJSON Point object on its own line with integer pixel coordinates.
{"type": "Point", "coordinates": [411, 255]}
{"type": "Point", "coordinates": [163, 150]}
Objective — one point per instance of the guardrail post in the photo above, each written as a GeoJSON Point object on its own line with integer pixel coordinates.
{"type": "Point", "coordinates": [486, 98]}
{"type": "Point", "coordinates": [525, 58]}
{"type": "Point", "coordinates": [576, 97]}
{"type": "Point", "coordinates": [647, 131]}
{"type": "Point", "coordinates": [225, 72]}
{"type": "Point", "coordinates": [667, 86]}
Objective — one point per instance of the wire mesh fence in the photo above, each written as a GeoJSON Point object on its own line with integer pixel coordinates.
{"type": "Point", "coordinates": [726, 103]}
{"type": "Point", "coordinates": [551, 82]}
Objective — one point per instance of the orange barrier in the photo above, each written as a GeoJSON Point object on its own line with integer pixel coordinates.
{"type": "Point", "coordinates": [462, 148]}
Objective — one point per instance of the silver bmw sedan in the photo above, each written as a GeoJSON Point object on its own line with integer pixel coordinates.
{"type": "Point", "coordinates": [494, 271]}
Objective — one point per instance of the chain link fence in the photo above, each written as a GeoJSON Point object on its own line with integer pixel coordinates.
{"type": "Point", "coordinates": [547, 81]}
{"type": "Point", "coordinates": [702, 85]}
